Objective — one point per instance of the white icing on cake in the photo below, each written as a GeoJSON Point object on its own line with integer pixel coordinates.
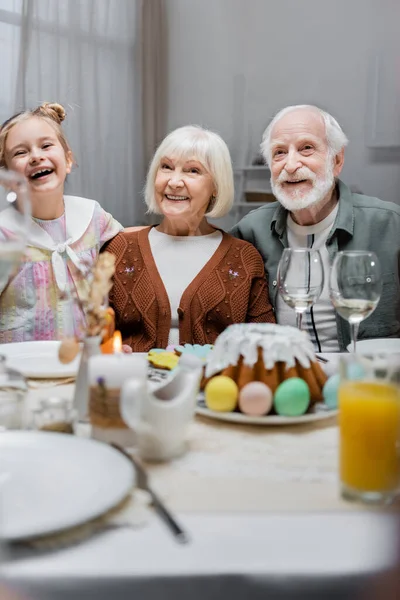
{"type": "Point", "coordinates": [279, 343]}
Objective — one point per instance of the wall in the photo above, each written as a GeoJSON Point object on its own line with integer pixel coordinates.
{"type": "Point", "coordinates": [234, 63]}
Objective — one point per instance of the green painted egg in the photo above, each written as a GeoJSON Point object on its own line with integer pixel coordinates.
{"type": "Point", "coordinates": [292, 397]}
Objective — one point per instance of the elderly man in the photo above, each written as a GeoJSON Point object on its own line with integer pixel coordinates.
{"type": "Point", "coordinates": [304, 148]}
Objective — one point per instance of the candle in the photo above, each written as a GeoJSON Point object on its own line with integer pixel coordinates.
{"type": "Point", "coordinates": [107, 374]}
{"type": "Point", "coordinates": [113, 345]}
{"type": "Point", "coordinates": [115, 369]}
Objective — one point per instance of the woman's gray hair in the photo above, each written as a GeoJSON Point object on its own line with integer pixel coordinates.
{"type": "Point", "coordinates": [335, 136]}
{"type": "Point", "coordinates": [194, 142]}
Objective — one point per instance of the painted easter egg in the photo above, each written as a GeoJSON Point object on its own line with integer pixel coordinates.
{"type": "Point", "coordinates": [331, 387]}
{"type": "Point", "coordinates": [255, 399]}
{"type": "Point", "coordinates": [330, 391]}
{"type": "Point", "coordinates": [355, 371]}
{"type": "Point", "coordinates": [292, 397]}
{"type": "Point", "coordinates": [221, 394]}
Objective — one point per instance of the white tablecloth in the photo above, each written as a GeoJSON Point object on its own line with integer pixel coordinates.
{"type": "Point", "coordinates": [230, 556]}
{"type": "Point", "coordinates": [264, 515]}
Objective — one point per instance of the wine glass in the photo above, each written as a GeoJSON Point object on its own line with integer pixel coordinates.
{"type": "Point", "coordinates": [355, 287]}
{"type": "Point", "coordinates": [15, 220]}
{"type": "Point", "coordinates": [300, 279]}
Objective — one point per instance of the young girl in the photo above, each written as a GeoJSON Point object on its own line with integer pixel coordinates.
{"type": "Point", "coordinates": [66, 233]}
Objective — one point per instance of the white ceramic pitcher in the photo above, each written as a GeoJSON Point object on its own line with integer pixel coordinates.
{"type": "Point", "coordinates": [160, 418]}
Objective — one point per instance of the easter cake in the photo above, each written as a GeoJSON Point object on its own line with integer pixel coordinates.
{"type": "Point", "coordinates": [273, 367]}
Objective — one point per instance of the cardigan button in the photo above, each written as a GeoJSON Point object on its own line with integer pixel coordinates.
{"type": "Point", "coordinates": [180, 313]}
{"type": "Point", "coordinates": [274, 283]}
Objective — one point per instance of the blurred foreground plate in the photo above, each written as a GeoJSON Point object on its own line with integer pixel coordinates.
{"type": "Point", "coordinates": [52, 481]}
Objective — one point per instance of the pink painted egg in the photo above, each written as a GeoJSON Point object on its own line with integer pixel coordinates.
{"type": "Point", "coordinates": [255, 399]}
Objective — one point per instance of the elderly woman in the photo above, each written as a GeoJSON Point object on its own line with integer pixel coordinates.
{"type": "Point", "coordinates": [185, 281]}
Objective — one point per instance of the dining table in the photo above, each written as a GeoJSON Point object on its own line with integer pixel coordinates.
{"type": "Point", "coordinates": [262, 509]}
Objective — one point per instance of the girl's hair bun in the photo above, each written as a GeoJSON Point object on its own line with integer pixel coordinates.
{"type": "Point", "coordinates": [53, 110]}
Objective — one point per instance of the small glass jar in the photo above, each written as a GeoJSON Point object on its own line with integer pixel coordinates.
{"type": "Point", "coordinates": [54, 414]}
{"type": "Point", "coordinates": [13, 390]}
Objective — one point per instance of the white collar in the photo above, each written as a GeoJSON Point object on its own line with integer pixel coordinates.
{"type": "Point", "coordinates": [78, 215]}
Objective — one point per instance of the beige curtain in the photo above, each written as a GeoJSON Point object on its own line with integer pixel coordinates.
{"type": "Point", "coordinates": [154, 63]}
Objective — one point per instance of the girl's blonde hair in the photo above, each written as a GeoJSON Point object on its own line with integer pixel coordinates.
{"type": "Point", "coordinates": [51, 112]}
{"type": "Point", "coordinates": [205, 146]}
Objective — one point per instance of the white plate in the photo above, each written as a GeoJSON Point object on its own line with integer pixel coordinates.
{"type": "Point", "coordinates": [236, 417]}
{"type": "Point", "coordinates": [52, 481]}
{"type": "Point", "coordinates": [377, 346]}
{"type": "Point", "coordinates": [38, 359]}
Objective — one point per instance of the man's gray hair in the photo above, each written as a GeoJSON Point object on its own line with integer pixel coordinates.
{"type": "Point", "coordinates": [335, 136]}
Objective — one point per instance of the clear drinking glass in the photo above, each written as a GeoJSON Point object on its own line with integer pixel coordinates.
{"type": "Point", "coordinates": [54, 414]}
{"type": "Point", "coordinates": [15, 219]}
{"type": "Point", "coordinates": [369, 424]}
{"type": "Point", "coordinates": [300, 279]}
{"type": "Point", "coordinates": [355, 287]}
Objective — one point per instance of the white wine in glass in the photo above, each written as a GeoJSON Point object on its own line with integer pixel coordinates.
{"type": "Point", "coordinates": [355, 287]}
{"type": "Point", "coordinates": [300, 279]}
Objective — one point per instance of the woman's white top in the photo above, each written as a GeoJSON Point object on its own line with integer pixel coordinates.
{"type": "Point", "coordinates": [179, 259]}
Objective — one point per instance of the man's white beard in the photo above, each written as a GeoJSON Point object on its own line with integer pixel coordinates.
{"type": "Point", "coordinates": [298, 200]}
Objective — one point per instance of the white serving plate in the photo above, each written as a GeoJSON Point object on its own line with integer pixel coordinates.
{"type": "Point", "coordinates": [267, 420]}
{"type": "Point", "coordinates": [51, 481]}
{"type": "Point", "coordinates": [38, 359]}
{"type": "Point", "coordinates": [377, 346]}
{"type": "Point", "coordinates": [274, 420]}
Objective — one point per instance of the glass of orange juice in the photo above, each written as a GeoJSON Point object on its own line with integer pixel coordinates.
{"type": "Point", "coordinates": [369, 423]}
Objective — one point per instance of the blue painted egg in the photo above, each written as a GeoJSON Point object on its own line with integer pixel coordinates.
{"type": "Point", "coordinates": [355, 372]}
{"type": "Point", "coordinates": [330, 391]}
